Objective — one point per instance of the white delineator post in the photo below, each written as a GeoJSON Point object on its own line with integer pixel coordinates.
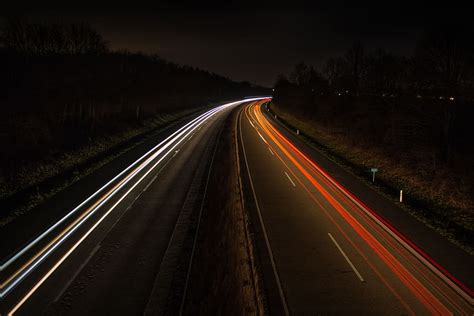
{"type": "Point", "coordinates": [373, 170]}
{"type": "Point", "coordinates": [297, 132]}
{"type": "Point", "coordinates": [401, 196]}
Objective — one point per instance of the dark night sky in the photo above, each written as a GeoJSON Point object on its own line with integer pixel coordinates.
{"type": "Point", "coordinates": [256, 43]}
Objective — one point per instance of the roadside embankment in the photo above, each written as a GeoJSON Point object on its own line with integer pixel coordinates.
{"type": "Point", "coordinates": [431, 193]}
{"type": "Point", "coordinates": [35, 182]}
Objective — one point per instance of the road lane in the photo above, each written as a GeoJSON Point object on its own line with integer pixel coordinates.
{"type": "Point", "coordinates": [314, 275]}
{"type": "Point", "coordinates": [128, 222]}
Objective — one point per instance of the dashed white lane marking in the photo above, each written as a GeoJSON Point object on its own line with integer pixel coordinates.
{"type": "Point", "coordinates": [76, 273]}
{"type": "Point", "coordinates": [262, 138]}
{"type": "Point", "coordinates": [347, 258]}
{"type": "Point", "coordinates": [288, 176]}
{"type": "Point", "coordinates": [271, 152]}
{"type": "Point", "coordinates": [149, 183]}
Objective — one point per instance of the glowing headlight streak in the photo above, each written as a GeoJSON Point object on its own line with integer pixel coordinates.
{"type": "Point", "coordinates": [177, 137]}
{"type": "Point", "coordinates": [40, 237]}
{"type": "Point", "coordinates": [38, 258]}
{"type": "Point", "coordinates": [71, 250]}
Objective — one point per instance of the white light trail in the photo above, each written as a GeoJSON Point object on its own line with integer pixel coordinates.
{"type": "Point", "coordinates": [176, 138]}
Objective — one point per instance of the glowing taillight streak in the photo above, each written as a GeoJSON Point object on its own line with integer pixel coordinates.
{"type": "Point", "coordinates": [311, 195]}
{"type": "Point", "coordinates": [431, 302]}
{"type": "Point", "coordinates": [378, 227]}
{"type": "Point", "coordinates": [393, 243]}
{"type": "Point", "coordinates": [460, 288]}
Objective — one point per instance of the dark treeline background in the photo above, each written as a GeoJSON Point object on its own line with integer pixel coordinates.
{"type": "Point", "coordinates": [426, 100]}
{"type": "Point", "coordinates": [62, 86]}
{"type": "Point", "coordinates": [415, 114]}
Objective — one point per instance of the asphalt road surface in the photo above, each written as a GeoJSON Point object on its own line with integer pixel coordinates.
{"type": "Point", "coordinates": [324, 252]}
{"type": "Point", "coordinates": [124, 249]}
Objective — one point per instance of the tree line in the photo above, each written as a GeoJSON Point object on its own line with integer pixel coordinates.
{"type": "Point", "coordinates": [442, 66]}
{"type": "Point", "coordinates": [412, 112]}
{"type": "Point", "coordinates": [62, 86]}
{"type": "Point", "coordinates": [43, 39]}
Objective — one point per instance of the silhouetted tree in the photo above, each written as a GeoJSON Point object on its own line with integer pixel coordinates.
{"type": "Point", "coordinates": [308, 77]}
{"type": "Point", "coordinates": [62, 87]}
{"type": "Point", "coordinates": [445, 60]}
{"type": "Point", "coordinates": [333, 70]}
{"type": "Point", "coordinates": [51, 39]}
{"type": "Point", "coordinates": [355, 61]}
{"type": "Point", "coordinates": [384, 72]}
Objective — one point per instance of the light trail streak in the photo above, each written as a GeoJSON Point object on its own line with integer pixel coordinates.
{"type": "Point", "coordinates": [50, 229]}
{"type": "Point", "coordinates": [423, 294]}
{"type": "Point", "coordinates": [464, 291]}
{"type": "Point", "coordinates": [33, 262]}
{"type": "Point", "coordinates": [68, 253]}
{"type": "Point", "coordinates": [173, 140]}
{"type": "Point", "coordinates": [374, 268]}
{"type": "Point", "coordinates": [40, 237]}
{"type": "Point", "coordinates": [262, 224]}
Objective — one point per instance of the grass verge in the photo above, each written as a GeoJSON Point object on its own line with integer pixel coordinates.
{"type": "Point", "coordinates": [455, 223]}
{"type": "Point", "coordinates": [41, 180]}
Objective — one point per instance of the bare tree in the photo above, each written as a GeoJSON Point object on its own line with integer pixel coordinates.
{"type": "Point", "coordinates": [308, 76]}
{"type": "Point", "coordinates": [383, 72]}
{"type": "Point", "coordinates": [355, 61]}
{"type": "Point", "coordinates": [446, 59]}
{"type": "Point", "coordinates": [15, 35]}
{"type": "Point", "coordinates": [49, 39]}
{"type": "Point", "coordinates": [334, 69]}
{"type": "Point", "coordinates": [299, 75]}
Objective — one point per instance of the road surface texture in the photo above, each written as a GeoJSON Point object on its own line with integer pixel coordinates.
{"type": "Point", "coordinates": [126, 248]}
{"type": "Point", "coordinates": [322, 250]}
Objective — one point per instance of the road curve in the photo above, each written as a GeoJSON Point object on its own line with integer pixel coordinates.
{"type": "Point", "coordinates": [118, 251]}
{"type": "Point", "coordinates": [322, 250]}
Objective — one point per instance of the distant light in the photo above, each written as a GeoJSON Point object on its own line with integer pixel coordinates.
{"type": "Point", "coordinates": [451, 98]}
{"type": "Point", "coordinates": [339, 94]}
{"type": "Point", "coordinates": [347, 91]}
{"type": "Point", "coordinates": [441, 98]}
{"type": "Point", "coordinates": [419, 96]}
{"type": "Point", "coordinates": [273, 89]}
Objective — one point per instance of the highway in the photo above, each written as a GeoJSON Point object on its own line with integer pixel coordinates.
{"type": "Point", "coordinates": [322, 250]}
{"type": "Point", "coordinates": [122, 249]}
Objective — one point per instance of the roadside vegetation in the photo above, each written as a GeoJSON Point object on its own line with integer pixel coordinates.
{"type": "Point", "coordinates": [67, 99]}
{"type": "Point", "coordinates": [410, 117]}
{"type": "Point", "coordinates": [39, 180]}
